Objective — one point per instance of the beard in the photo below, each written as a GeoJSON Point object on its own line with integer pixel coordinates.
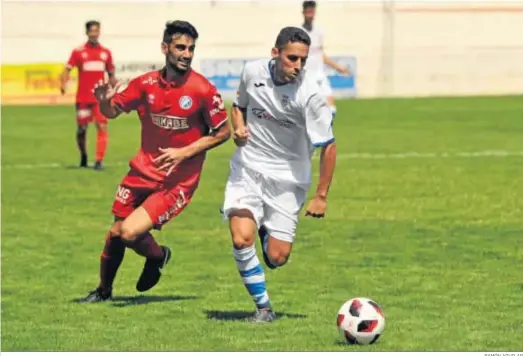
{"type": "Point", "coordinates": [175, 64]}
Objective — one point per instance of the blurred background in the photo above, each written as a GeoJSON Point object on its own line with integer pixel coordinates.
{"type": "Point", "coordinates": [395, 48]}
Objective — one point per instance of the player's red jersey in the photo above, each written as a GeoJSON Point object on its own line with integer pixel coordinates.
{"type": "Point", "coordinates": [171, 116]}
{"type": "Point", "coordinates": [92, 62]}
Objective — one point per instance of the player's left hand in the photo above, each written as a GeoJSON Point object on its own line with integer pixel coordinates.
{"type": "Point", "coordinates": [317, 207]}
{"type": "Point", "coordinates": [169, 158]}
{"type": "Point", "coordinates": [104, 91]}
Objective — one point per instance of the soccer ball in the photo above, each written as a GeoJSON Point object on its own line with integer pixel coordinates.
{"type": "Point", "coordinates": [361, 321]}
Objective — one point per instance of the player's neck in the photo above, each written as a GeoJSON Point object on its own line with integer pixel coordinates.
{"type": "Point", "coordinates": [170, 75]}
{"type": "Point", "coordinates": [307, 25]}
{"type": "Point", "coordinates": [277, 78]}
{"type": "Point", "coordinates": [92, 43]}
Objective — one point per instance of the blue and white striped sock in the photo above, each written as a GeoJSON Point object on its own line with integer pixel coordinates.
{"type": "Point", "coordinates": [252, 275]}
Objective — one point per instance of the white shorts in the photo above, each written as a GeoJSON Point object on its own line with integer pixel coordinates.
{"type": "Point", "coordinates": [273, 204]}
{"type": "Point", "coordinates": [325, 86]}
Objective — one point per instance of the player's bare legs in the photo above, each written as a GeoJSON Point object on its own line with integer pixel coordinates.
{"type": "Point", "coordinates": [101, 144]}
{"type": "Point", "coordinates": [81, 132]}
{"type": "Point", "coordinates": [276, 252]}
{"type": "Point", "coordinates": [243, 231]}
{"type": "Point", "coordinates": [132, 232]}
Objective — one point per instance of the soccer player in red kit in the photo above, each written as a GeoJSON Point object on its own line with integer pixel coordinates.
{"type": "Point", "coordinates": [92, 60]}
{"type": "Point", "coordinates": [182, 116]}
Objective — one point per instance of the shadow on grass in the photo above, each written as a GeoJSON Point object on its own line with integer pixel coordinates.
{"type": "Point", "coordinates": [125, 301]}
{"type": "Point", "coordinates": [239, 315]}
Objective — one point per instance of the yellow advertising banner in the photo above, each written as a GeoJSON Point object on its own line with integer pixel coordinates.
{"type": "Point", "coordinates": [36, 84]}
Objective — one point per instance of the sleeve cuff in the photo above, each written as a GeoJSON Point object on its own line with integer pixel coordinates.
{"type": "Point", "coordinates": [236, 105]}
{"type": "Point", "coordinates": [220, 123]}
{"type": "Point", "coordinates": [324, 143]}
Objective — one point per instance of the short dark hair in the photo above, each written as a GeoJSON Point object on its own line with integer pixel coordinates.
{"type": "Point", "coordinates": [180, 27]}
{"type": "Point", "coordinates": [90, 24]}
{"type": "Point", "coordinates": [309, 5]}
{"type": "Point", "coordinates": [291, 35]}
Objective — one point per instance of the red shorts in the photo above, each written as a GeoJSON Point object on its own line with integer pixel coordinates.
{"type": "Point", "coordinates": [162, 202]}
{"type": "Point", "coordinates": [89, 112]}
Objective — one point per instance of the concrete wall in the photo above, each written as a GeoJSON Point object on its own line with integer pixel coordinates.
{"type": "Point", "coordinates": [403, 48]}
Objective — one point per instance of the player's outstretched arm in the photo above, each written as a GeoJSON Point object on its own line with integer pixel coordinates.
{"type": "Point", "coordinates": [241, 133]}
{"type": "Point", "coordinates": [319, 128]}
{"type": "Point", "coordinates": [172, 157]}
{"type": "Point", "coordinates": [239, 111]}
{"type": "Point", "coordinates": [112, 79]}
{"type": "Point", "coordinates": [64, 78]}
{"type": "Point", "coordinates": [217, 136]}
{"type": "Point", "coordinates": [73, 61]}
{"type": "Point", "coordinates": [339, 68]}
{"type": "Point", "coordinates": [318, 204]}
{"type": "Point", "coordinates": [109, 67]}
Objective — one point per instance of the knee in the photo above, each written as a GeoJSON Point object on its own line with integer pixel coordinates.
{"type": "Point", "coordinates": [81, 129]}
{"type": "Point", "coordinates": [278, 257]}
{"type": "Point", "coordinates": [115, 228]}
{"type": "Point", "coordinates": [127, 233]}
{"type": "Point", "coordinates": [241, 240]}
{"type": "Point", "coordinates": [243, 229]}
{"type": "Point", "coordinates": [101, 127]}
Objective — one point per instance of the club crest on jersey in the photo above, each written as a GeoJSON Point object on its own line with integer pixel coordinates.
{"type": "Point", "coordinates": [84, 55]}
{"type": "Point", "coordinates": [103, 56]}
{"type": "Point", "coordinates": [285, 101]}
{"type": "Point", "coordinates": [185, 102]}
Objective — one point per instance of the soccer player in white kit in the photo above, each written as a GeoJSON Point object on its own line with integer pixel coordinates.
{"type": "Point", "coordinates": [279, 118]}
{"type": "Point", "coordinates": [317, 56]}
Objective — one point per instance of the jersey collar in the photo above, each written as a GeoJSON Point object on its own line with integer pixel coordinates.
{"type": "Point", "coordinates": [165, 83]}
{"type": "Point", "coordinates": [91, 45]}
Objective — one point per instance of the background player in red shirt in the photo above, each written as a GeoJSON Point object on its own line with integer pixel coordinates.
{"type": "Point", "coordinates": [92, 60]}
{"type": "Point", "coordinates": [182, 116]}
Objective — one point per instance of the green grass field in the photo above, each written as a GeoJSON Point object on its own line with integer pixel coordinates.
{"type": "Point", "coordinates": [434, 238]}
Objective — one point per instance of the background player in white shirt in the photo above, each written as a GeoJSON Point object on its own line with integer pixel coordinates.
{"type": "Point", "coordinates": [279, 118]}
{"type": "Point", "coordinates": [317, 56]}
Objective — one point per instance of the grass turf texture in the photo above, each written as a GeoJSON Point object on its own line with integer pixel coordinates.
{"type": "Point", "coordinates": [436, 241]}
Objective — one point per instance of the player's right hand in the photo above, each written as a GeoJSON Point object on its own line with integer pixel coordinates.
{"type": "Point", "coordinates": [103, 91]}
{"type": "Point", "coordinates": [241, 135]}
{"type": "Point", "coordinates": [62, 90]}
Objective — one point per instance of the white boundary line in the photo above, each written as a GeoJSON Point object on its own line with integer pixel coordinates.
{"type": "Point", "coordinates": [343, 156]}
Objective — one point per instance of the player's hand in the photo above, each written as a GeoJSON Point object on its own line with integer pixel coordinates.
{"type": "Point", "coordinates": [62, 90]}
{"type": "Point", "coordinates": [104, 91]}
{"type": "Point", "coordinates": [169, 158]}
{"type": "Point", "coordinates": [241, 135]}
{"type": "Point", "coordinates": [345, 71]}
{"type": "Point", "coordinates": [317, 207]}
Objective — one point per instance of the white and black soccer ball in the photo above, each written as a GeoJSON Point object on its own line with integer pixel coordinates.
{"type": "Point", "coordinates": [361, 321]}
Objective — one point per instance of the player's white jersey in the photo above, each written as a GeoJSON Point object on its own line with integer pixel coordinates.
{"type": "Point", "coordinates": [315, 64]}
{"type": "Point", "coordinates": [285, 123]}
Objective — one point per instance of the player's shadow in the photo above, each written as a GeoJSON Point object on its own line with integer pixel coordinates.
{"type": "Point", "coordinates": [126, 301]}
{"type": "Point", "coordinates": [77, 167]}
{"type": "Point", "coordinates": [239, 315]}
{"type": "Point", "coordinates": [87, 169]}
